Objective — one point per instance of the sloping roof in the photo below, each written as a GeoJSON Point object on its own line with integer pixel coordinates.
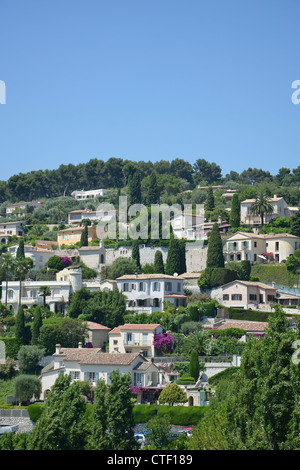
{"type": "Point", "coordinates": [135, 326]}
{"type": "Point", "coordinates": [96, 326]}
{"type": "Point", "coordinates": [250, 283]}
{"type": "Point", "coordinates": [95, 356]}
{"type": "Point", "coordinates": [143, 365]}
{"type": "Point", "coordinates": [146, 276]}
{"type": "Point", "coordinates": [244, 325]}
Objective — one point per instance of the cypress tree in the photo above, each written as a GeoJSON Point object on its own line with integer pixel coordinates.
{"type": "Point", "coordinates": [152, 193]}
{"type": "Point", "coordinates": [36, 326]}
{"type": "Point", "coordinates": [182, 256]}
{"type": "Point", "coordinates": [295, 224]}
{"type": "Point", "coordinates": [134, 188]}
{"type": "Point", "coordinates": [210, 200]}
{"type": "Point", "coordinates": [194, 365]}
{"type": "Point", "coordinates": [215, 258]}
{"type": "Point", "coordinates": [235, 213]}
{"type": "Point", "coordinates": [174, 264]}
{"type": "Point", "coordinates": [20, 326]}
{"type": "Point", "coordinates": [84, 241]}
{"type": "Point", "coordinates": [159, 263]}
{"type": "Point", "coordinates": [136, 252]}
{"type": "Point", "coordinates": [21, 250]}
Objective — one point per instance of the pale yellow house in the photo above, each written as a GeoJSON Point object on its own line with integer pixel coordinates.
{"type": "Point", "coordinates": [131, 337]}
{"type": "Point", "coordinates": [72, 235]}
{"type": "Point", "coordinates": [246, 295]}
{"type": "Point", "coordinates": [260, 247]}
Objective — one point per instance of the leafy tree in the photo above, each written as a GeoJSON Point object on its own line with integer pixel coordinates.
{"type": "Point", "coordinates": [295, 224]}
{"type": "Point", "coordinates": [55, 262]}
{"type": "Point", "coordinates": [215, 258]}
{"type": "Point", "coordinates": [29, 357]}
{"type": "Point", "coordinates": [99, 439]}
{"type": "Point", "coordinates": [235, 213]}
{"type": "Point", "coordinates": [66, 331]}
{"type": "Point", "coordinates": [206, 172]}
{"type": "Point", "coordinates": [194, 365]}
{"type": "Point", "coordinates": [134, 189]}
{"type": "Point", "coordinates": [171, 394]}
{"type": "Point", "coordinates": [158, 263]}
{"type": "Point", "coordinates": [119, 407]}
{"type": "Point", "coordinates": [26, 386]}
{"type": "Point", "coordinates": [159, 431]}
{"type": "Point", "coordinates": [122, 266]}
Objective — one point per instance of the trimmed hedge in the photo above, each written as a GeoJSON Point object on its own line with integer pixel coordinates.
{"type": "Point", "coordinates": [12, 346]}
{"type": "Point", "coordinates": [179, 415]}
{"type": "Point", "coordinates": [226, 374]}
{"type": "Point", "coordinates": [185, 380]}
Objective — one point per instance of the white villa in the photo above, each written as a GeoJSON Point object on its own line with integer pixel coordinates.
{"type": "Point", "coordinates": [91, 364]}
{"type": "Point", "coordinates": [81, 194]}
{"type": "Point", "coordinates": [131, 338]}
{"type": "Point", "coordinates": [280, 209]}
{"type": "Point", "coordinates": [147, 292]}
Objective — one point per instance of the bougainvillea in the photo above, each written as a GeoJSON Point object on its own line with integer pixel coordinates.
{"type": "Point", "coordinates": [163, 342]}
{"type": "Point", "coordinates": [134, 389]}
{"type": "Point", "coordinates": [67, 262]}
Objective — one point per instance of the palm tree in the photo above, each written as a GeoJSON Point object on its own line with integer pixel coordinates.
{"type": "Point", "coordinates": [7, 266]}
{"type": "Point", "coordinates": [261, 206]}
{"type": "Point", "coordinates": [22, 267]}
{"type": "Point", "coordinates": [44, 291]}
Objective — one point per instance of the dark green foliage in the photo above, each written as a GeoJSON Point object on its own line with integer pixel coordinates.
{"type": "Point", "coordinates": [136, 253]}
{"type": "Point", "coordinates": [12, 346]}
{"type": "Point", "coordinates": [185, 380]}
{"type": "Point", "coordinates": [29, 357]}
{"type": "Point", "coordinates": [20, 326]}
{"type": "Point", "coordinates": [134, 189]}
{"type": "Point", "coordinates": [210, 200]}
{"type": "Point", "coordinates": [55, 263]}
{"type": "Point", "coordinates": [84, 240]}
{"type": "Point", "coordinates": [235, 213]}
{"type": "Point", "coordinates": [158, 263]}
{"type": "Point", "coordinates": [26, 386]}
{"type": "Point", "coordinates": [174, 262]}
{"type": "Point", "coordinates": [295, 224]}
{"type": "Point", "coordinates": [152, 193]}
{"type": "Point", "coordinates": [99, 439]}
{"type": "Point", "coordinates": [121, 267]}
{"type": "Point", "coordinates": [215, 258]}
{"type": "Point", "coordinates": [213, 277]}
{"type": "Point", "coordinates": [65, 331]}
{"type": "Point", "coordinates": [20, 251]}
{"type": "Point", "coordinates": [194, 365]}
{"type": "Point", "coordinates": [36, 325]}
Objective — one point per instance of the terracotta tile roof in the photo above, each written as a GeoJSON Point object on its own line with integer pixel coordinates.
{"type": "Point", "coordinates": [95, 356]}
{"type": "Point", "coordinates": [180, 296]}
{"type": "Point", "coordinates": [135, 326]}
{"type": "Point", "coordinates": [143, 365]}
{"type": "Point", "coordinates": [251, 284]}
{"type": "Point", "coordinates": [96, 326]}
{"type": "Point", "coordinates": [244, 325]}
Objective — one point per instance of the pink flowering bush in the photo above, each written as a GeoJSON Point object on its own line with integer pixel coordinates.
{"type": "Point", "coordinates": [163, 343]}
{"type": "Point", "coordinates": [67, 261]}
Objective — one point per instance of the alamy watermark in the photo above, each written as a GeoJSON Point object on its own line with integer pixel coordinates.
{"type": "Point", "coordinates": [154, 222]}
{"type": "Point", "coordinates": [2, 92]}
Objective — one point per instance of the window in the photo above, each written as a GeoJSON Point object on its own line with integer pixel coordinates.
{"type": "Point", "coordinates": [91, 376]}
{"type": "Point", "coordinates": [225, 296]}
{"type": "Point", "coordinates": [236, 296]}
{"type": "Point", "coordinates": [115, 341]}
{"type": "Point", "coordinates": [75, 375]}
{"type": "Point", "coordinates": [271, 298]}
{"type": "Point", "coordinates": [252, 296]}
{"type": "Point", "coordinates": [178, 287]}
{"type": "Point", "coordinates": [125, 287]}
{"type": "Point", "coordinates": [255, 244]}
{"type": "Point", "coordinates": [276, 246]}
{"type": "Point", "coordinates": [156, 286]}
{"type": "Point", "coordinates": [141, 286]}
{"type": "Point", "coordinates": [168, 286]}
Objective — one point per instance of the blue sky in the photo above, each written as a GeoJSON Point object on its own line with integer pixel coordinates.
{"type": "Point", "coordinates": [149, 80]}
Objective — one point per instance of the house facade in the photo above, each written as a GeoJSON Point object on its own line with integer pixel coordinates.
{"type": "Point", "coordinates": [20, 208]}
{"type": "Point", "coordinates": [72, 235]}
{"type": "Point", "coordinates": [147, 292]}
{"type": "Point", "coordinates": [260, 247]}
{"type": "Point", "coordinates": [92, 364]}
{"type": "Point", "coordinates": [8, 229]}
{"type": "Point", "coordinates": [38, 256]}
{"type": "Point", "coordinates": [130, 338]}
{"type": "Point", "coordinates": [280, 209]}
{"type": "Point", "coordinates": [246, 295]}
{"type": "Point", "coordinates": [81, 194]}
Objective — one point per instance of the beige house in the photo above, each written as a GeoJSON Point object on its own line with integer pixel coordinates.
{"type": "Point", "coordinates": [280, 209]}
{"type": "Point", "coordinates": [246, 295]}
{"type": "Point", "coordinates": [134, 337]}
{"type": "Point", "coordinates": [92, 364]}
{"type": "Point", "coordinates": [98, 334]}
{"type": "Point", "coordinates": [260, 247]}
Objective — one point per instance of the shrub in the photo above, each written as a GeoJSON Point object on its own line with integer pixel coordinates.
{"type": "Point", "coordinates": [185, 380]}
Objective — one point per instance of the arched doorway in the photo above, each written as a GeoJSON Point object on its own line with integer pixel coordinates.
{"type": "Point", "coordinates": [191, 401]}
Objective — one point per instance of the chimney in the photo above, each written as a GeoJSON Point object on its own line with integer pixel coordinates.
{"type": "Point", "coordinates": [57, 349]}
{"type": "Point", "coordinates": [80, 345]}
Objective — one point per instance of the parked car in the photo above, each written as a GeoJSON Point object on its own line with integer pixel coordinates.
{"type": "Point", "coordinates": [187, 432]}
{"type": "Point", "coordinates": [140, 438]}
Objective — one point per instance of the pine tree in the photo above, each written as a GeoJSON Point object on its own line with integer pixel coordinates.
{"type": "Point", "coordinates": [210, 200]}
{"type": "Point", "coordinates": [174, 264]}
{"type": "Point", "coordinates": [215, 258]}
{"type": "Point", "coordinates": [152, 193]}
{"type": "Point", "coordinates": [194, 365]}
{"type": "Point", "coordinates": [159, 263]}
{"type": "Point", "coordinates": [136, 252]}
{"type": "Point", "coordinates": [21, 250]}
{"type": "Point", "coordinates": [295, 224]}
{"type": "Point", "coordinates": [20, 326]}
{"type": "Point", "coordinates": [235, 213]}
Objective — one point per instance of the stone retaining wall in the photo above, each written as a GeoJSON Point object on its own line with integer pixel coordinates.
{"type": "Point", "coordinates": [15, 417]}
